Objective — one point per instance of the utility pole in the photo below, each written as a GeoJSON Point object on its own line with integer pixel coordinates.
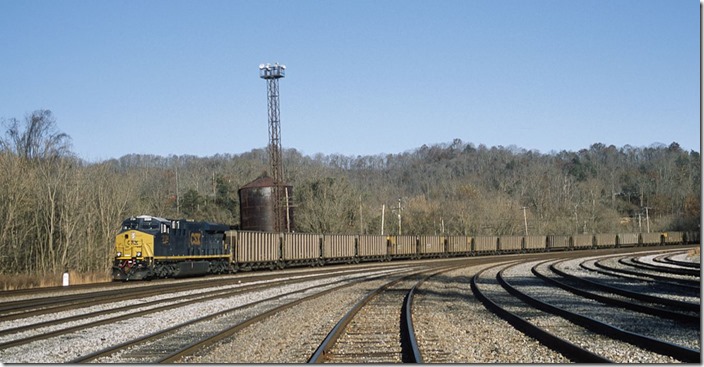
{"type": "Point", "coordinates": [178, 206]}
{"type": "Point", "coordinates": [398, 212]}
{"type": "Point", "coordinates": [525, 219]}
{"type": "Point", "coordinates": [399, 216]}
{"type": "Point", "coordinates": [361, 221]}
{"type": "Point", "coordinates": [647, 219]}
{"type": "Point", "coordinates": [383, 207]}
{"type": "Point", "coordinates": [288, 213]}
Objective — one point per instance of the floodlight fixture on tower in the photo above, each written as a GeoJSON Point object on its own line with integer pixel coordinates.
{"type": "Point", "coordinates": [269, 71]}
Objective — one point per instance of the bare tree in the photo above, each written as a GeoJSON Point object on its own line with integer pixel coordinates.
{"type": "Point", "coordinates": [328, 205]}
{"type": "Point", "coordinates": [38, 138]}
{"type": "Point", "coordinates": [16, 204]}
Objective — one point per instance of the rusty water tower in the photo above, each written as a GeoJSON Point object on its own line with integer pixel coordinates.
{"type": "Point", "coordinates": [257, 209]}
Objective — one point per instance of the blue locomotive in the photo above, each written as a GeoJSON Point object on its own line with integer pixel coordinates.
{"type": "Point", "coordinates": [151, 247]}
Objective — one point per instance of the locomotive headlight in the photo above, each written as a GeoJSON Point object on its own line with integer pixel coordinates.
{"type": "Point", "coordinates": [119, 254]}
{"type": "Point", "coordinates": [139, 254]}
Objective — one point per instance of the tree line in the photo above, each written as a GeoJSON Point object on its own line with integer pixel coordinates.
{"type": "Point", "coordinates": [58, 211]}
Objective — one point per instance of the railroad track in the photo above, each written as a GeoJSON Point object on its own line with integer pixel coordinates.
{"type": "Point", "coordinates": [614, 264]}
{"type": "Point", "coordinates": [642, 263]}
{"type": "Point", "coordinates": [219, 326]}
{"type": "Point", "coordinates": [378, 329]}
{"type": "Point", "coordinates": [455, 327]}
{"type": "Point", "coordinates": [25, 308]}
{"type": "Point", "coordinates": [648, 332]}
{"type": "Point", "coordinates": [113, 315]}
{"type": "Point", "coordinates": [634, 289]}
{"type": "Point", "coordinates": [302, 337]}
{"type": "Point", "coordinates": [670, 259]}
{"type": "Point", "coordinates": [535, 308]}
{"type": "Point", "coordinates": [652, 282]}
{"type": "Point", "coordinates": [172, 344]}
{"type": "Point", "coordinates": [497, 300]}
{"type": "Point", "coordinates": [24, 303]}
{"type": "Point", "coordinates": [19, 339]}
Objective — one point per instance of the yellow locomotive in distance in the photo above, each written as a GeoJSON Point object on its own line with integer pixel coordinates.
{"type": "Point", "coordinates": [151, 247]}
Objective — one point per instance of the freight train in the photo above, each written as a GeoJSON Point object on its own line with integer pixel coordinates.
{"type": "Point", "coordinates": [150, 247]}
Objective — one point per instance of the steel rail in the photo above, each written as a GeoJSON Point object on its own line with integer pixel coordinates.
{"type": "Point", "coordinates": [415, 352]}
{"type": "Point", "coordinates": [683, 305]}
{"type": "Point", "coordinates": [685, 282]}
{"type": "Point", "coordinates": [638, 263]}
{"type": "Point", "coordinates": [10, 310]}
{"type": "Point", "coordinates": [22, 307]}
{"type": "Point", "coordinates": [72, 301]}
{"type": "Point", "coordinates": [409, 343]}
{"type": "Point", "coordinates": [668, 259]}
{"type": "Point", "coordinates": [193, 347]}
{"type": "Point", "coordinates": [132, 315]}
{"type": "Point", "coordinates": [153, 336]}
{"type": "Point", "coordinates": [54, 289]}
{"type": "Point", "coordinates": [128, 308]}
{"type": "Point", "coordinates": [655, 345]}
{"type": "Point", "coordinates": [568, 349]}
{"type": "Point", "coordinates": [106, 321]}
{"type": "Point", "coordinates": [628, 274]}
{"type": "Point", "coordinates": [409, 330]}
{"type": "Point", "coordinates": [319, 355]}
{"type": "Point", "coordinates": [660, 312]}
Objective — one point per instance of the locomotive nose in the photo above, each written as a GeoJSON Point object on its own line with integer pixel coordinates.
{"type": "Point", "coordinates": [129, 245]}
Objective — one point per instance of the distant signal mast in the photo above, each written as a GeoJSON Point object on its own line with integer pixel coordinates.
{"type": "Point", "coordinates": [272, 74]}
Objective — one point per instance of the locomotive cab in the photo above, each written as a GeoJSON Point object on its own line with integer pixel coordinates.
{"type": "Point", "coordinates": [134, 247]}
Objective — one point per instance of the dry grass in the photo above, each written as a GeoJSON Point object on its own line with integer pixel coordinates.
{"type": "Point", "coordinates": [26, 281]}
{"type": "Point", "coordinates": [693, 253]}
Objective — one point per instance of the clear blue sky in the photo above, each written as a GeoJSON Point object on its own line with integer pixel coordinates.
{"type": "Point", "coordinates": [363, 77]}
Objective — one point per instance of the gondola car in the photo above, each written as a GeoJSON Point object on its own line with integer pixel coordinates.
{"type": "Point", "coordinates": [151, 247]}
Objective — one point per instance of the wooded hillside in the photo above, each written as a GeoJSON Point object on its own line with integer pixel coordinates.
{"type": "Point", "coordinates": [57, 210]}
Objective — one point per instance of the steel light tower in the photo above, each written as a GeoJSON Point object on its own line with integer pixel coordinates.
{"type": "Point", "coordinates": [272, 74]}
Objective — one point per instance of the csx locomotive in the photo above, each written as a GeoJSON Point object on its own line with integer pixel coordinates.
{"type": "Point", "coordinates": [151, 247]}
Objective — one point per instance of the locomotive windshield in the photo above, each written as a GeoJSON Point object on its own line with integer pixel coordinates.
{"type": "Point", "coordinates": [141, 223]}
{"type": "Point", "coordinates": [130, 224]}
